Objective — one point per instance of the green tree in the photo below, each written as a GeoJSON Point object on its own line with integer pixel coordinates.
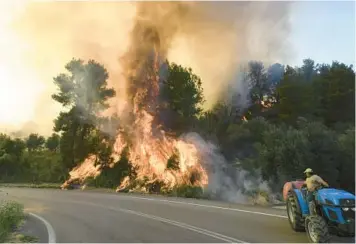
{"type": "Point", "coordinates": [346, 160]}
{"type": "Point", "coordinates": [181, 96]}
{"type": "Point", "coordinates": [258, 78]}
{"type": "Point", "coordinates": [52, 142]}
{"type": "Point", "coordinates": [241, 139]}
{"type": "Point", "coordinates": [295, 97]}
{"type": "Point", "coordinates": [111, 177]}
{"type": "Point", "coordinates": [83, 91]}
{"type": "Point", "coordinates": [11, 151]}
{"type": "Point", "coordinates": [260, 89]}
{"type": "Point", "coordinates": [308, 69]}
{"type": "Point", "coordinates": [335, 88]}
{"type": "Point", "coordinates": [34, 142]}
{"type": "Point", "coordinates": [215, 122]}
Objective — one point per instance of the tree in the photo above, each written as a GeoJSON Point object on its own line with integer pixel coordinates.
{"type": "Point", "coordinates": [308, 69]}
{"type": "Point", "coordinates": [258, 79]}
{"type": "Point", "coordinates": [83, 91]}
{"type": "Point", "coordinates": [182, 96]}
{"type": "Point", "coordinates": [260, 88]}
{"type": "Point", "coordinates": [34, 142]}
{"type": "Point", "coordinates": [111, 177]}
{"type": "Point", "coordinates": [295, 97]}
{"type": "Point", "coordinates": [275, 73]}
{"type": "Point", "coordinates": [52, 142]}
{"type": "Point", "coordinates": [335, 88]}
{"type": "Point", "coordinates": [11, 151]}
{"type": "Point", "coordinates": [346, 162]}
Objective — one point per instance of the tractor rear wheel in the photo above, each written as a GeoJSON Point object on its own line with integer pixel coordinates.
{"type": "Point", "coordinates": [295, 217]}
{"type": "Point", "coordinates": [317, 229]}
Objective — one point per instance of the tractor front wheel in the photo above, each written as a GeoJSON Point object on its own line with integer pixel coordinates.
{"type": "Point", "coordinates": [295, 217]}
{"type": "Point", "coordinates": [317, 229]}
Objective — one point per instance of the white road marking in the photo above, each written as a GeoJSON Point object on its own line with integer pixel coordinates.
{"type": "Point", "coordinates": [186, 226]}
{"type": "Point", "coordinates": [215, 235]}
{"type": "Point", "coordinates": [280, 207]}
{"type": "Point", "coordinates": [50, 230]}
{"type": "Point", "coordinates": [211, 206]}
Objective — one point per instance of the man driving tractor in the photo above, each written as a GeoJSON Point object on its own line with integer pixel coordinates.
{"type": "Point", "coordinates": [312, 182]}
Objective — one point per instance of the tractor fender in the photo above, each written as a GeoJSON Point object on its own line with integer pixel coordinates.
{"type": "Point", "coordinates": [302, 205]}
{"type": "Point", "coordinates": [288, 186]}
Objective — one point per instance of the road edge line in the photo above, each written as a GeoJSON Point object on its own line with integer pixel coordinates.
{"type": "Point", "coordinates": [50, 230]}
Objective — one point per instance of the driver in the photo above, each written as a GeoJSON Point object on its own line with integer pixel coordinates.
{"type": "Point", "coordinates": [312, 182]}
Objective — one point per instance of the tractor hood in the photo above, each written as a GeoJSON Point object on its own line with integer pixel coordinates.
{"type": "Point", "coordinates": [334, 196]}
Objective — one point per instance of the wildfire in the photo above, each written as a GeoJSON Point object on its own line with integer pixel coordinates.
{"type": "Point", "coordinates": [150, 154]}
{"type": "Point", "coordinates": [85, 170]}
{"type": "Point", "coordinates": [149, 148]}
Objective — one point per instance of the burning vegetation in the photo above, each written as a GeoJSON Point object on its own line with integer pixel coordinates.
{"type": "Point", "coordinates": [154, 156]}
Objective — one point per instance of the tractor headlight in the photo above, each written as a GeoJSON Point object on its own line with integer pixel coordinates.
{"type": "Point", "coordinates": [353, 209]}
{"type": "Point", "coordinates": [345, 209]}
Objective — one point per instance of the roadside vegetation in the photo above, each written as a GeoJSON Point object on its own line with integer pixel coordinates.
{"type": "Point", "coordinates": [296, 117]}
{"type": "Point", "coordinates": [11, 216]}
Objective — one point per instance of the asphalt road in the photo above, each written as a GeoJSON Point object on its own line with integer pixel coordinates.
{"type": "Point", "coordinates": [80, 216]}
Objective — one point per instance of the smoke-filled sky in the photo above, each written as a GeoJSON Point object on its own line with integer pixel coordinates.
{"type": "Point", "coordinates": [38, 39]}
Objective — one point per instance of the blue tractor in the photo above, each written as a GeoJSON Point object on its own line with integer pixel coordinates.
{"type": "Point", "coordinates": [333, 213]}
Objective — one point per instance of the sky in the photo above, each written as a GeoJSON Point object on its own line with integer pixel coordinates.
{"type": "Point", "coordinates": [324, 31]}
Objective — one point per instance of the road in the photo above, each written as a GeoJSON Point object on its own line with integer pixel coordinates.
{"type": "Point", "coordinates": [83, 216]}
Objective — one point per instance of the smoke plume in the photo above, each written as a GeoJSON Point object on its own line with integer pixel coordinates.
{"type": "Point", "coordinates": [225, 182]}
{"type": "Point", "coordinates": [213, 38]}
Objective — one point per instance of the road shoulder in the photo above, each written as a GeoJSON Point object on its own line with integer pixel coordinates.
{"type": "Point", "coordinates": [33, 230]}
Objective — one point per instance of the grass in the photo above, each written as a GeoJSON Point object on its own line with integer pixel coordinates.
{"type": "Point", "coordinates": [187, 191]}
{"type": "Point", "coordinates": [21, 238]}
{"type": "Point", "coordinates": [11, 216]}
{"type": "Point", "coordinates": [31, 185]}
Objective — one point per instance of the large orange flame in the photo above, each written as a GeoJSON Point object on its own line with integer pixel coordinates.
{"type": "Point", "coordinates": [149, 155]}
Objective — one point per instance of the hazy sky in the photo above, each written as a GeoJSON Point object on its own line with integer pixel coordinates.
{"type": "Point", "coordinates": [324, 31]}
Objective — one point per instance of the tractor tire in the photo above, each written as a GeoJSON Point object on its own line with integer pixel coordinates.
{"type": "Point", "coordinates": [317, 229]}
{"type": "Point", "coordinates": [295, 217]}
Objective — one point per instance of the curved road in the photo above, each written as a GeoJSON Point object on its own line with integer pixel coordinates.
{"type": "Point", "coordinates": [82, 216]}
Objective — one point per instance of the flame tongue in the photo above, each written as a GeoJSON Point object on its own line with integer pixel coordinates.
{"type": "Point", "coordinates": [85, 170]}
{"type": "Point", "coordinates": [150, 155]}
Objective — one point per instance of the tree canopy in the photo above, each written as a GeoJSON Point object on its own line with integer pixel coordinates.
{"type": "Point", "coordinates": [297, 117]}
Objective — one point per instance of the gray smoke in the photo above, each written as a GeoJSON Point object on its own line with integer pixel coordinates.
{"type": "Point", "coordinates": [226, 182]}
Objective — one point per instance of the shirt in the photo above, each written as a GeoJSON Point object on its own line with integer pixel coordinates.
{"type": "Point", "coordinates": [313, 181]}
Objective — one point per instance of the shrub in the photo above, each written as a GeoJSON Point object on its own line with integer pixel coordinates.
{"type": "Point", "coordinates": [188, 191]}
{"type": "Point", "coordinates": [11, 214]}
